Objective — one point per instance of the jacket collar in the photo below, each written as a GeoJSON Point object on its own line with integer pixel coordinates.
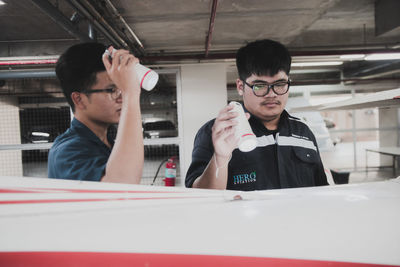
{"type": "Point", "coordinates": [83, 130]}
{"type": "Point", "coordinates": [259, 125]}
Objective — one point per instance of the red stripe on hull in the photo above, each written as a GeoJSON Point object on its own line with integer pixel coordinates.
{"type": "Point", "coordinates": [58, 190]}
{"type": "Point", "coordinates": [46, 201]}
{"type": "Point", "coordinates": [102, 259]}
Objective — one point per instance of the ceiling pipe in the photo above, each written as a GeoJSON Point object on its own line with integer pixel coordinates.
{"type": "Point", "coordinates": [60, 19]}
{"type": "Point", "coordinates": [294, 53]}
{"type": "Point", "coordinates": [364, 71]}
{"type": "Point", "coordinates": [154, 59]}
{"type": "Point", "coordinates": [50, 73]}
{"type": "Point", "coordinates": [188, 57]}
{"type": "Point", "coordinates": [376, 70]}
{"type": "Point", "coordinates": [98, 22]}
{"type": "Point", "coordinates": [380, 74]}
{"type": "Point", "coordinates": [28, 62]}
{"type": "Point", "coordinates": [301, 82]}
{"type": "Point", "coordinates": [118, 15]}
{"type": "Point", "coordinates": [211, 26]}
{"type": "Point", "coordinates": [29, 58]}
{"type": "Point", "coordinates": [27, 74]}
{"type": "Point", "coordinates": [338, 81]}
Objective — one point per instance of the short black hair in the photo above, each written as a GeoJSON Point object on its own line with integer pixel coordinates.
{"type": "Point", "coordinates": [77, 67]}
{"type": "Point", "coordinates": [262, 57]}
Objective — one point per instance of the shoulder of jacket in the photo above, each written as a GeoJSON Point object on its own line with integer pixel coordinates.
{"type": "Point", "coordinates": [297, 120]}
{"type": "Point", "coordinates": [207, 126]}
{"type": "Point", "coordinates": [299, 126]}
{"type": "Point", "coordinates": [205, 130]}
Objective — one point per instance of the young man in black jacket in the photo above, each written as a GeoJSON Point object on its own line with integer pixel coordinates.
{"type": "Point", "coordinates": [286, 154]}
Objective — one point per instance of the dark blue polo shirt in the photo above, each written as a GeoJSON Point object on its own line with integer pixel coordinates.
{"type": "Point", "coordinates": [78, 154]}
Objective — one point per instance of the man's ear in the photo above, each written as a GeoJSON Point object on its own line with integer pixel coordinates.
{"type": "Point", "coordinates": [239, 86]}
{"type": "Point", "coordinates": [78, 100]}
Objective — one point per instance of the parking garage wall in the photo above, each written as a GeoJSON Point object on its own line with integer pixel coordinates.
{"type": "Point", "coordinates": [10, 160]}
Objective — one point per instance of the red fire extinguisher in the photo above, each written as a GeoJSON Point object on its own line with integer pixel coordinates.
{"type": "Point", "coordinates": [170, 172]}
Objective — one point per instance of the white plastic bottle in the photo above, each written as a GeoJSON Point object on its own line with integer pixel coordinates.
{"type": "Point", "coordinates": [148, 78]}
{"type": "Point", "coordinates": [247, 139]}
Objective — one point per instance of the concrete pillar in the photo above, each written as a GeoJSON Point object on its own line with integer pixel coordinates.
{"type": "Point", "coordinates": [387, 19]}
{"type": "Point", "coordinates": [10, 160]}
{"type": "Point", "coordinates": [204, 94]}
{"type": "Point", "coordinates": [388, 118]}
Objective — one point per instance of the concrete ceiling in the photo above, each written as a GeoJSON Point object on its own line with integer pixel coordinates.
{"type": "Point", "coordinates": [178, 32]}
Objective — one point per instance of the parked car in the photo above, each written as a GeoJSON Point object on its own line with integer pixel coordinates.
{"type": "Point", "coordinates": [38, 135]}
{"type": "Point", "coordinates": [160, 128]}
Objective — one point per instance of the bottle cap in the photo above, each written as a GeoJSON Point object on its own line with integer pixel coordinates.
{"type": "Point", "coordinates": [150, 80]}
{"type": "Point", "coordinates": [247, 139]}
{"type": "Point", "coordinates": [148, 77]}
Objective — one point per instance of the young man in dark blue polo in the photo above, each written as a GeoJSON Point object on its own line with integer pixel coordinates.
{"type": "Point", "coordinates": [101, 92]}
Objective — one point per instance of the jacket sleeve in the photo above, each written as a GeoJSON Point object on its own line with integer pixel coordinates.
{"type": "Point", "coordinates": [203, 150]}
{"type": "Point", "coordinates": [320, 176]}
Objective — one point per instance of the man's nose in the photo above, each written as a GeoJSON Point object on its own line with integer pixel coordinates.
{"type": "Point", "coordinates": [271, 93]}
{"type": "Point", "coordinates": [119, 98]}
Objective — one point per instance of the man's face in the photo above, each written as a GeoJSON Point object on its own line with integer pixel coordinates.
{"type": "Point", "coordinates": [102, 107]}
{"type": "Point", "coordinates": [268, 107]}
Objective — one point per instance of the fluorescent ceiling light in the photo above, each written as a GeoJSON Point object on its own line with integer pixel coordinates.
{"type": "Point", "coordinates": [386, 56]}
{"type": "Point", "coordinates": [352, 56]}
{"type": "Point", "coordinates": [316, 63]}
{"type": "Point", "coordinates": [2, 3]}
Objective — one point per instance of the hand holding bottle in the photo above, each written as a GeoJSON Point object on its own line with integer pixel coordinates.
{"type": "Point", "coordinates": [148, 78]}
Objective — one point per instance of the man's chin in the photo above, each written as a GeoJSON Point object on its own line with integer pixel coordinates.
{"type": "Point", "coordinates": [270, 110]}
{"type": "Point", "coordinates": [269, 116]}
{"type": "Point", "coordinates": [118, 116]}
{"type": "Point", "coordinates": [116, 119]}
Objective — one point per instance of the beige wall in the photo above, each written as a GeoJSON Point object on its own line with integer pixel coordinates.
{"type": "Point", "coordinates": [10, 160]}
{"type": "Point", "coordinates": [388, 117]}
{"type": "Point", "coordinates": [203, 95]}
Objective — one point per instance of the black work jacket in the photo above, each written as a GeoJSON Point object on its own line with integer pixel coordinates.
{"type": "Point", "coordinates": [288, 158]}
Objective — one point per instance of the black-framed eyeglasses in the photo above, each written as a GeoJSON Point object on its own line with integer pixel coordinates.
{"type": "Point", "coordinates": [114, 92]}
{"type": "Point", "coordinates": [262, 89]}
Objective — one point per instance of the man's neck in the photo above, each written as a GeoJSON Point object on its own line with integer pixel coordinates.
{"type": "Point", "coordinates": [272, 123]}
{"type": "Point", "coordinates": [99, 129]}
